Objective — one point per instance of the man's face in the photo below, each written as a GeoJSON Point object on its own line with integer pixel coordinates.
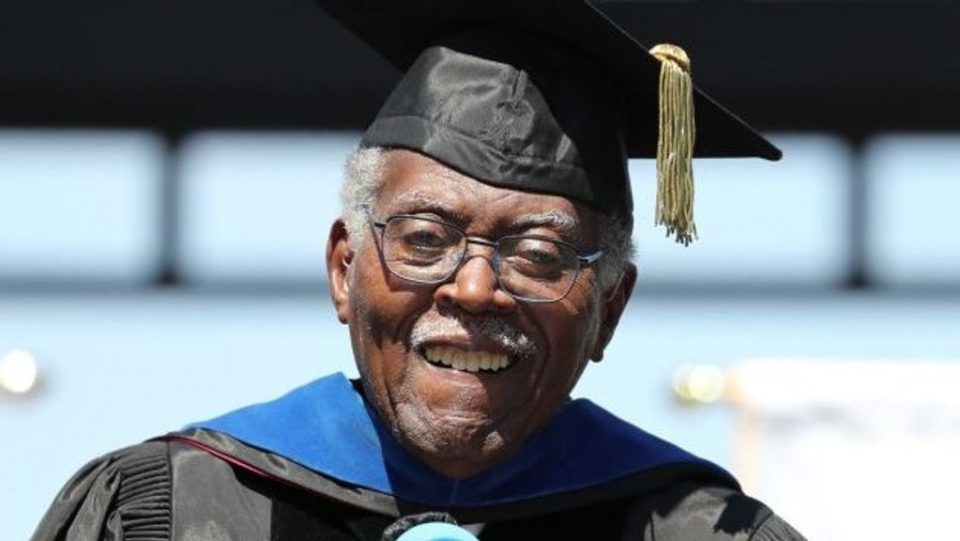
{"type": "Point", "coordinates": [406, 335]}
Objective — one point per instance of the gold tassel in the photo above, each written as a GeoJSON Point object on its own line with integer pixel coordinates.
{"type": "Point", "coordinates": [675, 144]}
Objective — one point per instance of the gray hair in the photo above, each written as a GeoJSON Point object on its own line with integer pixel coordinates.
{"type": "Point", "coordinates": [362, 181]}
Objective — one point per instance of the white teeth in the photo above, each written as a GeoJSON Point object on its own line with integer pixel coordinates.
{"type": "Point", "coordinates": [468, 361]}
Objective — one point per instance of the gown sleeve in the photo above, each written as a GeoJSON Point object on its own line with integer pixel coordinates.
{"type": "Point", "coordinates": [122, 495]}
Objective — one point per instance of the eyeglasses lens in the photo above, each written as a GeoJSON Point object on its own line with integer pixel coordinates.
{"type": "Point", "coordinates": [429, 251]}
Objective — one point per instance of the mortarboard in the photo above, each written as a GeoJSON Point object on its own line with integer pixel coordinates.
{"type": "Point", "coordinates": [545, 95]}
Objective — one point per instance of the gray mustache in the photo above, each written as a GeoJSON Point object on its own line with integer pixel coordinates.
{"type": "Point", "coordinates": [494, 329]}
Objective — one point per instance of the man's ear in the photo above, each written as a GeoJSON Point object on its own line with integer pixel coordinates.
{"type": "Point", "coordinates": [612, 306]}
{"type": "Point", "coordinates": [339, 258]}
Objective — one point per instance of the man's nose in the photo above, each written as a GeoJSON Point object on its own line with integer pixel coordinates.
{"type": "Point", "coordinates": [474, 286]}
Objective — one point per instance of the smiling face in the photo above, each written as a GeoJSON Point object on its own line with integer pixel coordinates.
{"type": "Point", "coordinates": [461, 371]}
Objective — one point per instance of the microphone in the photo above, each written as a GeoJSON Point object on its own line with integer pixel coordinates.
{"type": "Point", "coordinates": [433, 526]}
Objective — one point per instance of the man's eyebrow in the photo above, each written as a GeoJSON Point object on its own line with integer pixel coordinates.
{"type": "Point", "coordinates": [420, 202]}
{"type": "Point", "coordinates": [564, 223]}
{"type": "Point", "coordinates": [560, 221]}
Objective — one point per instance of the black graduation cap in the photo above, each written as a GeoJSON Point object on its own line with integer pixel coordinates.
{"type": "Point", "coordinates": [544, 95]}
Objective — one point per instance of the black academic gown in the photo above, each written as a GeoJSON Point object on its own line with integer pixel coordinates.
{"type": "Point", "coordinates": [203, 484]}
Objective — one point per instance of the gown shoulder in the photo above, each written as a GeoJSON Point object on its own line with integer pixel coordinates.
{"type": "Point", "coordinates": [125, 494]}
{"type": "Point", "coordinates": [708, 513]}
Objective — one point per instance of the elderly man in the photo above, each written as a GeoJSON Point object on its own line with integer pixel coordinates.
{"type": "Point", "coordinates": [481, 262]}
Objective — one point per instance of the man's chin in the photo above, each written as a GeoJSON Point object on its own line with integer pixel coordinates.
{"type": "Point", "coordinates": [454, 446]}
{"type": "Point", "coordinates": [461, 459]}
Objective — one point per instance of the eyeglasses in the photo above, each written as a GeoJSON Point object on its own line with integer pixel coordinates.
{"type": "Point", "coordinates": [529, 268]}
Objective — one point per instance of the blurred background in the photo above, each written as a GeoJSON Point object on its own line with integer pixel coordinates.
{"type": "Point", "coordinates": [169, 169]}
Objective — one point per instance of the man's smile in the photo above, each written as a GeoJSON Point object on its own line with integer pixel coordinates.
{"type": "Point", "coordinates": [466, 360]}
{"type": "Point", "coordinates": [484, 345]}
